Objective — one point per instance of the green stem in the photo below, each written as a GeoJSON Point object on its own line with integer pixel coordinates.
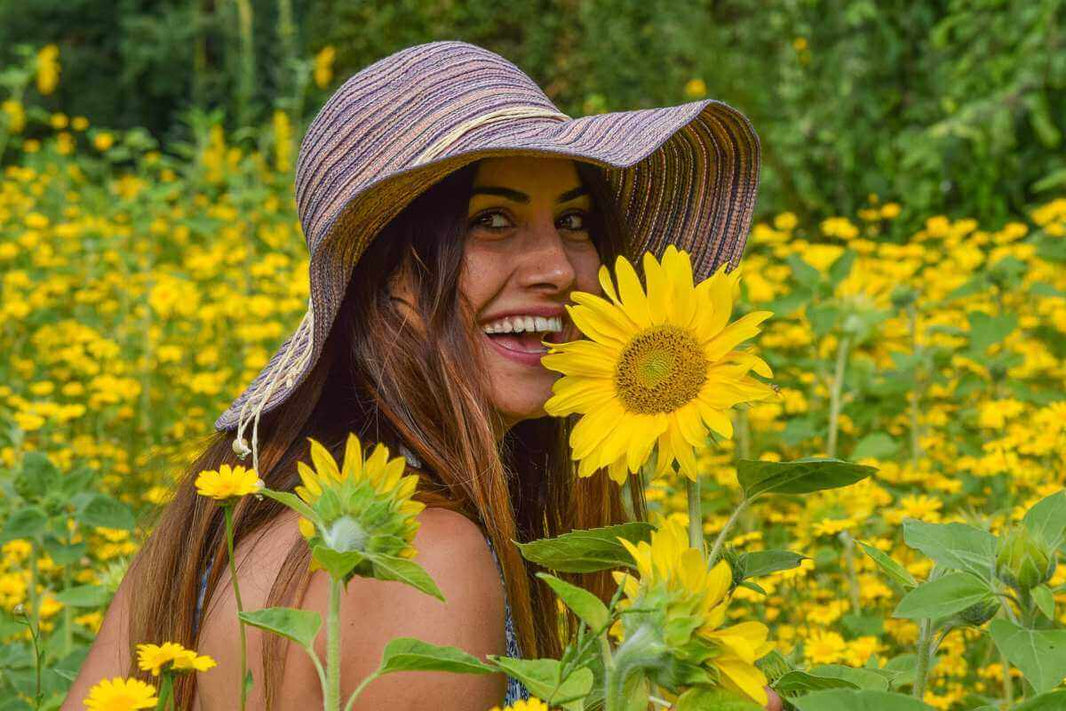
{"type": "Point", "coordinates": [716, 550]}
{"type": "Point", "coordinates": [1008, 685]}
{"type": "Point", "coordinates": [68, 613]}
{"type": "Point", "coordinates": [853, 577]}
{"type": "Point", "coordinates": [228, 511]}
{"type": "Point", "coordinates": [333, 647]}
{"type": "Point", "coordinates": [359, 690]}
{"type": "Point", "coordinates": [695, 515]}
{"type": "Point", "coordinates": [835, 394]}
{"type": "Point", "coordinates": [614, 685]}
{"type": "Point", "coordinates": [166, 691]}
{"type": "Point", "coordinates": [921, 672]}
{"type": "Point", "coordinates": [915, 395]}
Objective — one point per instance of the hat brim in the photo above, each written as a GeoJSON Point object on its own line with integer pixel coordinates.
{"type": "Point", "coordinates": [685, 175]}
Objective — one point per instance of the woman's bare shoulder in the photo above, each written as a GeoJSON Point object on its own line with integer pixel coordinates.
{"type": "Point", "coordinates": [454, 551]}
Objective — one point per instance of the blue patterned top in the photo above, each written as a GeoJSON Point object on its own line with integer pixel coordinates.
{"type": "Point", "coordinates": [515, 689]}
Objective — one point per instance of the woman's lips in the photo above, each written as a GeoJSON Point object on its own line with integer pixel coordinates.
{"type": "Point", "coordinates": [526, 350]}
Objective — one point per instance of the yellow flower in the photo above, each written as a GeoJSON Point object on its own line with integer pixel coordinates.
{"type": "Point", "coordinates": [153, 657]}
{"type": "Point", "coordinates": [531, 704]}
{"type": "Point", "coordinates": [120, 694]}
{"type": "Point", "coordinates": [16, 115]}
{"type": "Point", "coordinates": [103, 140]}
{"type": "Point", "coordinates": [228, 483]}
{"type": "Point", "coordinates": [355, 488]}
{"type": "Point", "coordinates": [674, 578]}
{"type": "Point", "coordinates": [324, 66]}
{"type": "Point", "coordinates": [659, 369]}
{"type": "Point", "coordinates": [47, 69]}
{"type": "Point", "coordinates": [696, 88]}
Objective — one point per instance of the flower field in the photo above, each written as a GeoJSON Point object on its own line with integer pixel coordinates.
{"type": "Point", "coordinates": [142, 288]}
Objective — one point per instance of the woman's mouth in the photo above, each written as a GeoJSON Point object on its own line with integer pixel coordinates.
{"type": "Point", "coordinates": [519, 337]}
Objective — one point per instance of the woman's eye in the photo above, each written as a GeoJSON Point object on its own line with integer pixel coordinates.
{"type": "Point", "coordinates": [578, 224]}
{"type": "Point", "coordinates": [485, 220]}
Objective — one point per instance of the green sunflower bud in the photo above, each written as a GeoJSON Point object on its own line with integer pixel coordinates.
{"type": "Point", "coordinates": [980, 612]}
{"type": "Point", "coordinates": [1023, 561]}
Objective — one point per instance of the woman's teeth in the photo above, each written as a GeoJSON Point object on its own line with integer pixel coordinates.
{"type": "Point", "coordinates": [525, 324]}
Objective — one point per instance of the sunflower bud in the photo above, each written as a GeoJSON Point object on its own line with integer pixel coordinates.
{"type": "Point", "coordinates": [1023, 561]}
{"type": "Point", "coordinates": [980, 612]}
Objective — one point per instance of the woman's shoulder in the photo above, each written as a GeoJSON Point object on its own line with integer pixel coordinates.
{"type": "Point", "coordinates": [453, 550]}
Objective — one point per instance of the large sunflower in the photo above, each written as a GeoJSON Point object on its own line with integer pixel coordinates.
{"type": "Point", "coordinates": [659, 367]}
{"type": "Point", "coordinates": [685, 603]}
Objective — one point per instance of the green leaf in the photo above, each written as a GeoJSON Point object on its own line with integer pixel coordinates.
{"type": "Point", "coordinates": [875, 446]}
{"type": "Point", "coordinates": [953, 545]}
{"type": "Point", "coordinates": [387, 567]}
{"type": "Point", "coordinates": [102, 511]}
{"type": "Point", "coordinates": [861, 678]}
{"type": "Point", "coordinates": [988, 330]}
{"type": "Point", "coordinates": [842, 267]}
{"type": "Point", "coordinates": [1039, 654]}
{"type": "Point", "coordinates": [84, 596]}
{"type": "Point", "coordinates": [64, 554]}
{"type": "Point", "coordinates": [1051, 701]}
{"type": "Point", "coordinates": [889, 566]}
{"type": "Point", "coordinates": [541, 677]}
{"type": "Point", "coordinates": [944, 596]}
{"type": "Point", "coordinates": [804, 273]}
{"type": "Point", "coordinates": [855, 700]}
{"type": "Point", "coordinates": [27, 523]}
{"type": "Point", "coordinates": [1047, 518]}
{"type": "Point", "coordinates": [801, 682]}
{"type": "Point", "coordinates": [301, 626]}
{"type": "Point", "coordinates": [588, 550]}
{"type": "Point", "coordinates": [336, 563]}
{"type": "Point", "coordinates": [38, 477]}
{"type": "Point", "coordinates": [1045, 600]}
{"type": "Point", "coordinates": [759, 563]}
{"type": "Point", "coordinates": [801, 476]}
{"type": "Point", "coordinates": [293, 501]}
{"type": "Point", "coordinates": [585, 605]}
{"type": "Point", "coordinates": [410, 654]}
{"type": "Point", "coordinates": [702, 698]}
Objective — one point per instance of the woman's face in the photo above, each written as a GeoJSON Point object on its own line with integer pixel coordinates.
{"type": "Point", "coordinates": [527, 247]}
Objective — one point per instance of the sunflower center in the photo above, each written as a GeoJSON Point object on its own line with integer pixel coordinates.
{"type": "Point", "coordinates": [660, 370]}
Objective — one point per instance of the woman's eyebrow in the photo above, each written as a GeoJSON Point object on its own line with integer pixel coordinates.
{"type": "Point", "coordinates": [518, 196]}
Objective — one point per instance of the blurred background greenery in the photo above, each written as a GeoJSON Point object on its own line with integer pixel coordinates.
{"type": "Point", "coordinates": [948, 106]}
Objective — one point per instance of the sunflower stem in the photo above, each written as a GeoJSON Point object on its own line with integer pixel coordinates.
{"type": "Point", "coordinates": [836, 393]}
{"type": "Point", "coordinates": [921, 673]}
{"type": "Point", "coordinates": [695, 515]}
{"type": "Point", "coordinates": [228, 511]}
{"type": "Point", "coordinates": [716, 550]}
{"type": "Point", "coordinates": [333, 647]}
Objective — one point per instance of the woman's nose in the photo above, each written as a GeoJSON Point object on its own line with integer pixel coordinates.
{"type": "Point", "coordinates": [545, 261]}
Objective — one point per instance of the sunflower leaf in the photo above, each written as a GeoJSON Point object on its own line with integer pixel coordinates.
{"type": "Point", "coordinates": [585, 605]}
{"type": "Point", "coordinates": [387, 567]}
{"type": "Point", "coordinates": [588, 550]}
{"type": "Point", "coordinates": [802, 476]}
{"type": "Point", "coordinates": [301, 626]}
{"type": "Point", "coordinates": [410, 654]}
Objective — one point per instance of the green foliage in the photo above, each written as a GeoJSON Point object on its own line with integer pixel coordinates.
{"type": "Point", "coordinates": [587, 550]}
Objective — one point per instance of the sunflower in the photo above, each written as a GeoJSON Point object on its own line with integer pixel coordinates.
{"type": "Point", "coordinates": [120, 694]}
{"type": "Point", "coordinates": [683, 604]}
{"type": "Point", "coordinates": [658, 368]}
{"type": "Point", "coordinates": [363, 506]}
{"type": "Point", "coordinates": [227, 484]}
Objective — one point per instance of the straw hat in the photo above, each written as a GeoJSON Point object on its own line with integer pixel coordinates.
{"type": "Point", "coordinates": [685, 175]}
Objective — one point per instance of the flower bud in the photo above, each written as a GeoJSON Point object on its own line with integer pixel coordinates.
{"type": "Point", "coordinates": [345, 535]}
{"type": "Point", "coordinates": [980, 612]}
{"type": "Point", "coordinates": [1022, 560]}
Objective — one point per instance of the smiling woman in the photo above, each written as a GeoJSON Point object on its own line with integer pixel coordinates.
{"type": "Point", "coordinates": [450, 211]}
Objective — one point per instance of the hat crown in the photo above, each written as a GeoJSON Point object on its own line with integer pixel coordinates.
{"type": "Point", "coordinates": [380, 117]}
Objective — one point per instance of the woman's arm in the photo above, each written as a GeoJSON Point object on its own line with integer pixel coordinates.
{"type": "Point", "coordinates": [109, 655]}
{"type": "Point", "coordinates": [454, 552]}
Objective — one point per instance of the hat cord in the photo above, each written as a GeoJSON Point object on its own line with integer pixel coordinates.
{"type": "Point", "coordinates": [508, 112]}
{"type": "Point", "coordinates": [302, 334]}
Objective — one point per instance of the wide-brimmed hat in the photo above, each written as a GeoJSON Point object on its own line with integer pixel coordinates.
{"type": "Point", "coordinates": [684, 175]}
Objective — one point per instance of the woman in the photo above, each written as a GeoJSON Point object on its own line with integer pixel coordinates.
{"type": "Point", "coordinates": [431, 345]}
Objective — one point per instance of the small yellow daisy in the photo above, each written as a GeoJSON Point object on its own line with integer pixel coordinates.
{"type": "Point", "coordinates": [120, 694]}
{"type": "Point", "coordinates": [531, 704]}
{"type": "Point", "coordinates": [228, 483]}
{"type": "Point", "coordinates": [153, 657]}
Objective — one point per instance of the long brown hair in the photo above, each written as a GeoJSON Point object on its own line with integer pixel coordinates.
{"type": "Point", "coordinates": [402, 381]}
